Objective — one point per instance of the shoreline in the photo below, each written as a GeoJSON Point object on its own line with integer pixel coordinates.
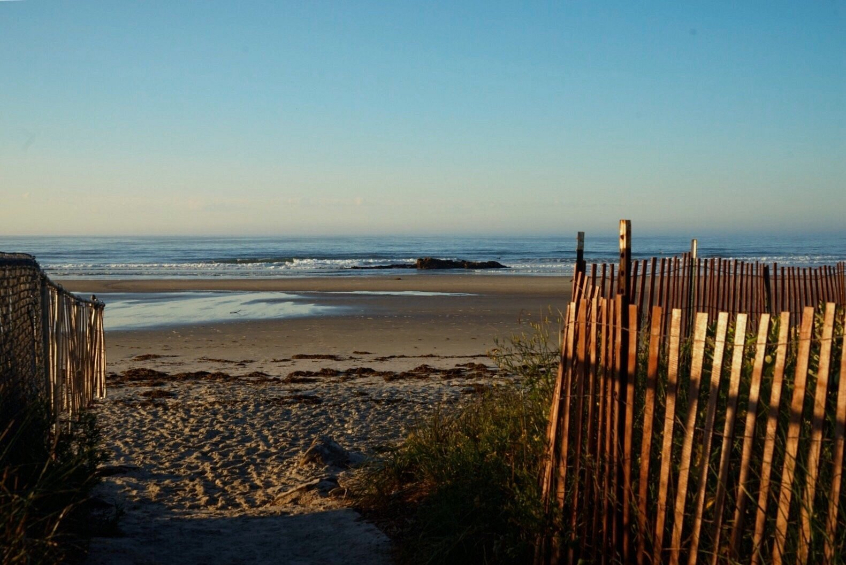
{"type": "Point", "coordinates": [467, 320]}
{"type": "Point", "coordinates": [551, 286]}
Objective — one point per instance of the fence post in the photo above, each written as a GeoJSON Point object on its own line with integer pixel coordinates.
{"type": "Point", "coordinates": [623, 293]}
{"type": "Point", "coordinates": [580, 253]}
{"type": "Point", "coordinates": [768, 293]}
{"type": "Point", "coordinates": [624, 274]}
{"type": "Point", "coordinates": [45, 336]}
{"type": "Point", "coordinates": [579, 268]}
{"type": "Point", "coordinates": [694, 275]}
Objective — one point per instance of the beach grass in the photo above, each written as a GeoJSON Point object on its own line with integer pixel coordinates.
{"type": "Point", "coordinates": [45, 478]}
{"type": "Point", "coordinates": [463, 486]}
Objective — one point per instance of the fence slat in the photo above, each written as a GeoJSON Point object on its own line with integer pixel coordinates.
{"type": "Point", "coordinates": [689, 426]}
{"type": "Point", "coordinates": [662, 296]}
{"type": "Point", "coordinates": [793, 430]}
{"type": "Point", "coordinates": [713, 396]}
{"type": "Point", "coordinates": [682, 294]}
{"type": "Point", "coordinates": [628, 493]}
{"type": "Point", "coordinates": [617, 407]}
{"type": "Point", "coordinates": [749, 432]}
{"type": "Point", "coordinates": [728, 429]}
{"type": "Point", "coordinates": [642, 292]}
{"type": "Point", "coordinates": [600, 426]}
{"type": "Point", "coordinates": [608, 373]}
{"type": "Point", "coordinates": [830, 295]}
{"type": "Point", "coordinates": [669, 419]}
{"type": "Point", "coordinates": [652, 272]}
{"type": "Point", "coordinates": [564, 412]}
{"type": "Point", "coordinates": [820, 392]}
{"type": "Point", "coordinates": [552, 423]}
{"type": "Point", "coordinates": [554, 481]}
{"type": "Point", "coordinates": [769, 441]}
{"type": "Point", "coordinates": [591, 396]}
{"type": "Point", "coordinates": [808, 297]}
{"type": "Point", "coordinates": [648, 417]}
{"type": "Point", "coordinates": [579, 374]}
{"type": "Point", "coordinates": [612, 289]}
{"type": "Point", "coordinates": [837, 472]}
{"type": "Point", "coordinates": [632, 290]}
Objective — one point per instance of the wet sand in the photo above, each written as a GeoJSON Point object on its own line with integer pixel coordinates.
{"type": "Point", "coordinates": [492, 284]}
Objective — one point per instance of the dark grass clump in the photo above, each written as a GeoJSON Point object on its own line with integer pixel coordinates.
{"type": "Point", "coordinates": [45, 478]}
{"type": "Point", "coordinates": [463, 485]}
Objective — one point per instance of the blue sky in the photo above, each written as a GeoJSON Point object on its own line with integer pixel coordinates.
{"type": "Point", "coordinates": [388, 118]}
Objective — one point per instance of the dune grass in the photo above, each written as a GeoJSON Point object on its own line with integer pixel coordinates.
{"type": "Point", "coordinates": [463, 486]}
{"type": "Point", "coordinates": [45, 477]}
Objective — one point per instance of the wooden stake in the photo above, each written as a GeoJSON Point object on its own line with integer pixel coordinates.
{"type": "Point", "coordinates": [580, 252]}
{"type": "Point", "coordinates": [769, 441]}
{"type": "Point", "coordinates": [749, 433]}
{"type": "Point", "coordinates": [648, 417]}
{"type": "Point", "coordinates": [837, 473]}
{"type": "Point", "coordinates": [628, 493]}
{"type": "Point", "coordinates": [624, 272]}
{"type": "Point", "coordinates": [701, 327]}
{"type": "Point", "coordinates": [578, 419]}
{"type": "Point", "coordinates": [713, 395]}
{"type": "Point", "coordinates": [792, 441]}
{"type": "Point", "coordinates": [669, 418]}
{"type": "Point", "coordinates": [728, 429]}
{"type": "Point", "coordinates": [820, 392]}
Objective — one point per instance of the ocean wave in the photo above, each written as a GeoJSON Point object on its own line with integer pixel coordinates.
{"type": "Point", "coordinates": [243, 268]}
{"type": "Point", "coordinates": [197, 260]}
{"type": "Point", "coordinates": [253, 260]}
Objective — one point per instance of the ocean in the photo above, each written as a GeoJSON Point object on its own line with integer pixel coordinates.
{"type": "Point", "coordinates": [258, 257]}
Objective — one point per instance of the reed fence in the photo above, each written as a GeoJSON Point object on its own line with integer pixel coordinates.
{"type": "Point", "coordinates": [51, 341]}
{"type": "Point", "coordinates": [726, 446]}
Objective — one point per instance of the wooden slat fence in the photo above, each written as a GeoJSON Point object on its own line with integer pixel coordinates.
{"type": "Point", "coordinates": [725, 447]}
{"type": "Point", "coordinates": [51, 341]}
{"type": "Point", "coordinates": [716, 285]}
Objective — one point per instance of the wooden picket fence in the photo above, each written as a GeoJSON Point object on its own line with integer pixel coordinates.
{"type": "Point", "coordinates": [712, 449]}
{"type": "Point", "coordinates": [51, 341]}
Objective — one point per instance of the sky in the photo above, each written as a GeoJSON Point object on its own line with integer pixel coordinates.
{"type": "Point", "coordinates": [334, 118]}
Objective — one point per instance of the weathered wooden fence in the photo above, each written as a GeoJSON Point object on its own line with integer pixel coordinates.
{"type": "Point", "coordinates": [51, 342]}
{"type": "Point", "coordinates": [715, 285]}
{"type": "Point", "coordinates": [714, 450]}
{"type": "Point", "coordinates": [694, 433]}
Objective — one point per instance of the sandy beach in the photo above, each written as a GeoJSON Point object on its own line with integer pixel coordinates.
{"type": "Point", "coordinates": [207, 424]}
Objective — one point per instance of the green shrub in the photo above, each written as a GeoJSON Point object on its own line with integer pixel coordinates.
{"type": "Point", "coordinates": [463, 486]}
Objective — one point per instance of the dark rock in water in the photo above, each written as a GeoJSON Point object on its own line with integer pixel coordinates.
{"type": "Point", "coordinates": [427, 263]}
{"type": "Point", "coordinates": [432, 263]}
{"type": "Point", "coordinates": [391, 266]}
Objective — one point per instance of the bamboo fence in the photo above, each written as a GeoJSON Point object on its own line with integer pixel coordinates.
{"type": "Point", "coordinates": [51, 341]}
